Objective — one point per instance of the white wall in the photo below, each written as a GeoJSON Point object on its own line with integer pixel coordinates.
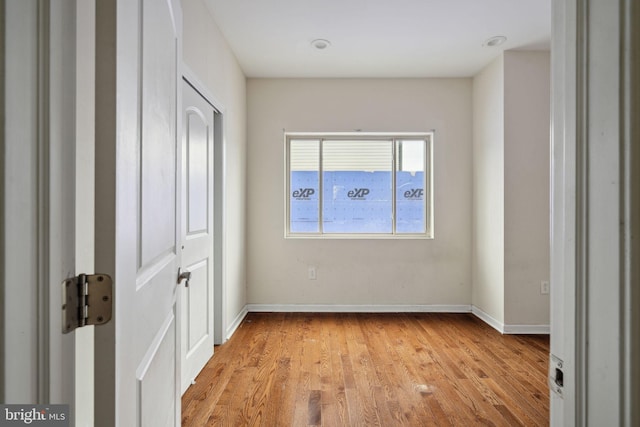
{"type": "Point", "coordinates": [359, 272]}
{"type": "Point", "coordinates": [385, 272]}
{"type": "Point", "coordinates": [511, 107]}
{"type": "Point", "coordinates": [527, 89]}
{"type": "Point", "coordinates": [208, 56]}
{"type": "Point", "coordinates": [488, 190]}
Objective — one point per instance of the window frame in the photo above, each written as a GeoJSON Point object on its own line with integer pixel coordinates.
{"type": "Point", "coordinates": [394, 137]}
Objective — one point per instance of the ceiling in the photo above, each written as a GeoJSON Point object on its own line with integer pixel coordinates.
{"type": "Point", "coordinates": [377, 38]}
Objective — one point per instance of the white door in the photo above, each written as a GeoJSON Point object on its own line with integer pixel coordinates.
{"type": "Point", "coordinates": [138, 218]}
{"type": "Point", "coordinates": [197, 233]}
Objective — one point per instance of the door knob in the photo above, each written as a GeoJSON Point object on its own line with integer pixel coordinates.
{"type": "Point", "coordinates": [184, 275]}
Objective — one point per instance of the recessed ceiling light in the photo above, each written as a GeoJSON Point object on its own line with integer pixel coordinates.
{"type": "Point", "coordinates": [320, 44]}
{"type": "Point", "coordinates": [494, 41]}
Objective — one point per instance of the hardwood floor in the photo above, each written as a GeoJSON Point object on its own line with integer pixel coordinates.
{"type": "Point", "coordinates": [302, 369]}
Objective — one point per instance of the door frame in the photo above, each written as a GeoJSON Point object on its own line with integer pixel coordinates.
{"type": "Point", "coordinates": [219, 218]}
{"type": "Point", "coordinates": [85, 198]}
{"type": "Point", "coordinates": [46, 141]}
{"type": "Point", "coordinates": [596, 211]}
{"type": "Point", "coordinates": [22, 369]}
{"type": "Point", "coordinates": [563, 230]}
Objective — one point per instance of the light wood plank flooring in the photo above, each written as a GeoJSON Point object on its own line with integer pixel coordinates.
{"type": "Point", "coordinates": [302, 369]}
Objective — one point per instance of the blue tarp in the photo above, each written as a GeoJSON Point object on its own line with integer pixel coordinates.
{"type": "Point", "coordinates": [357, 202]}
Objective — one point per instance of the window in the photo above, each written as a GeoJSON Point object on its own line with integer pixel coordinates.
{"type": "Point", "coordinates": [359, 185]}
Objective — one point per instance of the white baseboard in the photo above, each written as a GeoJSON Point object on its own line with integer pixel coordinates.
{"type": "Point", "coordinates": [510, 329]}
{"type": "Point", "coordinates": [357, 308]}
{"type": "Point", "coordinates": [527, 329]}
{"type": "Point", "coordinates": [495, 324]}
{"type": "Point", "coordinates": [236, 322]}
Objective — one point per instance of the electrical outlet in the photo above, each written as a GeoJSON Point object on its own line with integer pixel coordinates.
{"type": "Point", "coordinates": [312, 272]}
{"type": "Point", "coordinates": [544, 287]}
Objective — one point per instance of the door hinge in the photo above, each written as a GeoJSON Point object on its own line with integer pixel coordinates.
{"type": "Point", "coordinates": [86, 300]}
